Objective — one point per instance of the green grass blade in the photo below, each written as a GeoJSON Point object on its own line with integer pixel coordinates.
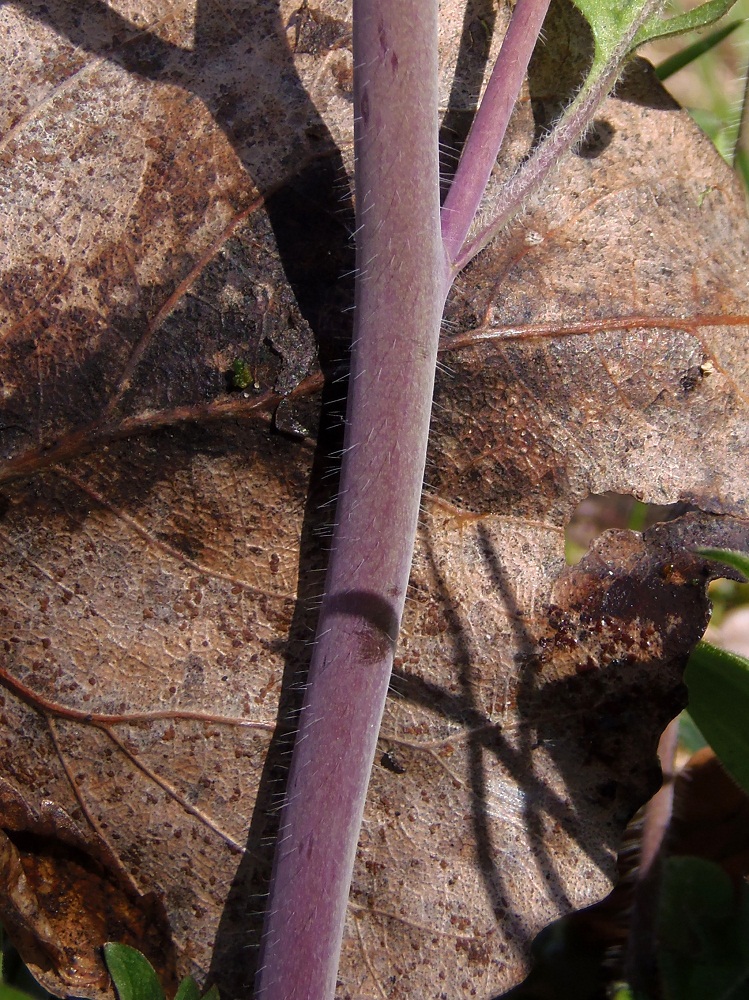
{"type": "Point", "coordinates": [740, 157]}
{"type": "Point", "coordinates": [741, 164]}
{"type": "Point", "coordinates": [737, 560]}
{"type": "Point", "coordinates": [686, 56]}
{"type": "Point", "coordinates": [718, 684]}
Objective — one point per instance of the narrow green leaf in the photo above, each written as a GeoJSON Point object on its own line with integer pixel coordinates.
{"type": "Point", "coordinates": [686, 56]}
{"type": "Point", "coordinates": [212, 993]}
{"type": "Point", "coordinates": [740, 157]}
{"type": "Point", "coordinates": [741, 164]}
{"type": "Point", "coordinates": [691, 20]}
{"type": "Point", "coordinates": [188, 990]}
{"type": "Point", "coordinates": [638, 516]}
{"type": "Point", "coordinates": [133, 975]}
{"type": "Point", "coordinates": [718, 684]}
{"type": "Point", "coordinates": [738, 560]}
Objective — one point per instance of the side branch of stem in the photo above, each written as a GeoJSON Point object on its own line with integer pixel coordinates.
{"type": "Point", "coordinates": [490, 124]}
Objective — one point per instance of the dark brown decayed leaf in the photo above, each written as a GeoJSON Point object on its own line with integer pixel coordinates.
{"type": "Point", "coordinates": [175, 192]}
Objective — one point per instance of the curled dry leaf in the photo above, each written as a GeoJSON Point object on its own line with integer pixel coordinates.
{"type": "Point", "coordinates": [175, 193]}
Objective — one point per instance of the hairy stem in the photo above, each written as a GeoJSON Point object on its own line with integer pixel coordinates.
{"type": "Point", "coordinates": [570, 128]}
{"type": "Point", "coordinates": [490, 124]}
{"type": "Point", "coordinates": [404, 273]}
{"type": "Point", "coordinates": [400, 291]}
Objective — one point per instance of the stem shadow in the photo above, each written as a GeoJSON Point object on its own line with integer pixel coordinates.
{"type": "Point", "coordinates": [312, 223]}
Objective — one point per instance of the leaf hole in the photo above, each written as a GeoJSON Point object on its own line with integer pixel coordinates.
{"type": "Point", "coordinates": [600, 512]}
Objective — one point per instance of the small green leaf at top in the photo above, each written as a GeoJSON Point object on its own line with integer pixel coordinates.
{"type": "Point", "coordinates": [703, 932]}
{"type": "Point", "coordinates": [133, 975]}
{"type": "Point", "coordinates": [609, 21]}
{"type": "Point", "coordinates": [718, 684]}
{"type": "Point", "coordinates": [692, 20]}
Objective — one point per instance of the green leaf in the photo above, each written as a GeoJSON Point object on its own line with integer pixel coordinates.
{"type": "Point", "coordinates": [609, 21]}
{"type": "Point", "coordinates": [691, 20]}
{"type": "Point", "coordinates": [188, 990]}
{"type": "Point", "coordinates": [738, 560]}
{"type": "Point", "coordinates": [622, 992]}
{"type": "Point", "coordinates": [741, 164]}
{"type": "Point", "coordinates": [703, 932]}
{"type": "Point", "coordinates": [718, 684]}
{"type": "Point", "coordinates": [740, 158]}
{"type": "Point", "coordinates": [11, 993]}
{"type": "Point", "coordinates": [690, 738]}
{"type": "Point", "coordinates": [134, 976]}
{"type": "Point", "coordinates": [685, 56]}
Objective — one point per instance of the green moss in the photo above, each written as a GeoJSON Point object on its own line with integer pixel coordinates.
{"type": "Point", "coordinates": [240, 374]}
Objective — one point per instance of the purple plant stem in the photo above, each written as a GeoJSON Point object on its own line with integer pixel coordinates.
{"type": "Point", "coordinates": [404, 273]}
{"type": "Point", "coordinates": [400, 292]}
{"type": "Point", "coordinates": [490, 124]}
{"type": "Point", "coordinates": [568, 130]}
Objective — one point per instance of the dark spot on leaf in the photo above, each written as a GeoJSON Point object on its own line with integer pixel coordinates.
{"type": "Point", "coordinates": [317, 32]}
{"type": "Point", "coordinates": [597, 138]}
{"type": "Point", "coordinates": [389, 762]}
{"type": "Point", "coordinates": [183, 542]}
{"type": "Point", "coordinates": [691, 378]}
